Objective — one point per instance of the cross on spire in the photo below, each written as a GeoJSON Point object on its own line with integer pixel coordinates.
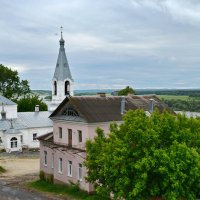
{"type": "Point", "coordinates": [61, 29]}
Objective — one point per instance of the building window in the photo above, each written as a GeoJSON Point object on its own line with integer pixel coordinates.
{"type": "Point", "coordinates": [45, 158]}
{"type": "Point", "coordinates": [55, 88]}
{"type": "Point", "coordinates": [60, 165]}
{"type": "Point", "coordinates": [69, 168]}
{"type": "Point", "coordinates": [70, 137]}
{"type": "Point", "coordinates": [60, 132]}
{"type": "Point", "coordinates": [34, 136]}
{"type": "Point", "coordinates": [79, 136]}
{"type": "Point", "coordinates": [21, 138]}
{"type": "Point", "coordinates": [80, 172]}
{"type": "Point", "coordinates": [13, 142]}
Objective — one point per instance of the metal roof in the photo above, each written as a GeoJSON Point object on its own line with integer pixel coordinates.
{"type": "Point", "coordinates": [28, 120]}
{"type": "Point", "coordinates": [62, 71]}
{"type": "Point", "coordinates": [35, 119]}
{"type": "Point", "coordinates": [6, 101]}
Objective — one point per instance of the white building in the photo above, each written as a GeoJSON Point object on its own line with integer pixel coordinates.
{"type": "Point", "coordinates": [20, 129]}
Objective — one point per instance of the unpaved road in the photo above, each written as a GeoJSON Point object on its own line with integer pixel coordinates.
{"type": "Point", "coordinates": [12, 193]}
{"type": "Point", "coordinates": [20, 169]}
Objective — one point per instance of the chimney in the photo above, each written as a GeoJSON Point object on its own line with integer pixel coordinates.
{"type": "Point", "coordinates": [3, 113]}
{"type": "Point", "coordinates": [123, 101]}
{"type": "Point", "coordinates": [37, 108]}
{"type": "Point", "coordinates": [102, 94]}
{"type": "Point", "coordinates": [151, 105]}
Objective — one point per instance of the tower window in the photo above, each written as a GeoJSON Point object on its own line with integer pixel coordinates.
{"type": "Point", "coordinates": [55, 88]}
{"type": "Point", "coordinates": [67, 87]}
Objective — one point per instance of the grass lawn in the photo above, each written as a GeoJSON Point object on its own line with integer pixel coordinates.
{"type": "Point", "coordinates": [63, 190]}
{"type": "Point", "coordinates": [167, 97]}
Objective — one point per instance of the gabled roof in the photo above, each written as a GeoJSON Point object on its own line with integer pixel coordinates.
{"type": "Point", "coordinates": [62, 70]}
{"type": "Point", "coordinates": [93, 109]}
{"type": "Point", "coordinates": [46, 137]}
{"type": "Point", "coordinates": [6, 101]}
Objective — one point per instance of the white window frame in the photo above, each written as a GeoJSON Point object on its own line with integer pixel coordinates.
{"type": "Point", "coordinates": [34, 136]}
{"type": "Point", "coordinates": [45, 158]}
{"type": "Point", "coordinates": [60, 167]}
{"type": "Point", "coordinates": [52, 161]}
{"type": "Point", "coordinates": [13, 143]}
{"type": "Point", "coordinates": [69, 168]}
{"type": "Point", "coordinates": [80, 133]}
{"type": "Point", "coordinates": [80, 171]}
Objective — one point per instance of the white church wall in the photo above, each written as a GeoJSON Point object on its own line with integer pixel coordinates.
{"type": "Point", "coordinates": [27, 134]}
{"type": "Point", "coordinates": [7, 142]}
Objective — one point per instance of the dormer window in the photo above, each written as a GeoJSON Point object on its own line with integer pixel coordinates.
{"type": "Point", "coordinates": [70, 112]}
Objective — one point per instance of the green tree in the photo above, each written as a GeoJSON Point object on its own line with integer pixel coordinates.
{"type": "Point", "coordinates": [10, 84]}
{"type": "Point", "coordinates": [28, 103]}
{"type": "Point", "coordinates": [126, 91]}
{"type": "Point", "coordinates": [147, 157]}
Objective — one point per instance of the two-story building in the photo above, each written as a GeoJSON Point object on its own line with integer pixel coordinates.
{"type": "Point", "coordinates": [62, 152]}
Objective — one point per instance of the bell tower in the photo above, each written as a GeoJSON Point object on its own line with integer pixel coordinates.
{"type": "Point", "coordinates": [62, 82]}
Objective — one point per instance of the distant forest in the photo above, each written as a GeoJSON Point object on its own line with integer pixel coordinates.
{"type": "Point", "coordinates": [177, 92]}
{"type": "Point", "coordinates": [177, 99]}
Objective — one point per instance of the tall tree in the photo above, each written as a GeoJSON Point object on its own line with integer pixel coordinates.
{"type": "Point", "coordinates": [10, 84]}
{"type": "Point", "coordinates": [126, 91]}
{"type": "Point", "coordinates": [147, 157]}
{"type": "Point", "coordinates": [28, 103]}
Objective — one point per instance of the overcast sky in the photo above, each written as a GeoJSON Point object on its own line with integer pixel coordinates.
{"type": "Point", "coordinates": [109, 43]}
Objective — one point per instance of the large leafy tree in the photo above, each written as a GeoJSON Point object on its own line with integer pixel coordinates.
{"type": "Point", "coordinates": [127, 90]}
{"type": "Point", "coordinates": [10, 84]}
{"type": "Point", "coordinates": [147, 157]}
{"type": "Point", "coordinates": [28, 103]}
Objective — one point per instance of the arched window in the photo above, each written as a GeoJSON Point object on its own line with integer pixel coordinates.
{"type": "Point", "coordinates": [70, 112]}
{"type": "Point", "coordinates": [55, 88]}
{"type": "Point", "coordinates": [67, 87]}
{"type": "Point", "coordinates": [13, 142]}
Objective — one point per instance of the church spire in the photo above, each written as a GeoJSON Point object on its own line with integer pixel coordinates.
{"type": "Point", "coordinates": [62, 83]}
{"type": "Point", "coordinates": [62, 41]}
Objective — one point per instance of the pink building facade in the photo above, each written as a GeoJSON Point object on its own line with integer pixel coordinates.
{"type": "Point", "coordinates": [62, 152]}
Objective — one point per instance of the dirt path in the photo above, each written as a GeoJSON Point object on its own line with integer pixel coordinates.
{"type": "Point", "coordinates": [19, 166]}
{"type": "Point", "coordinates": [20, 169]}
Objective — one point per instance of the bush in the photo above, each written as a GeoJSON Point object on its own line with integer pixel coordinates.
{"type": "Point", "coordinates": [2, 170]}
{"type": "Point", "coordinates": [50, 178]}
{"type": "Point", "coordinates": [42, 176]}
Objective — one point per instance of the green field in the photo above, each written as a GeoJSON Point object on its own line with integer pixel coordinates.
{"type": "Point", "coordinates": [167, 97]}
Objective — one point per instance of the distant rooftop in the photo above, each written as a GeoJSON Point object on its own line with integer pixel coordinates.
{"type": "Point", "coordinates": [6, 101]}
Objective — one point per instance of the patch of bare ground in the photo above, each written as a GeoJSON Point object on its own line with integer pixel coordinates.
{"type": "Point", "coordinates": [20, 169]}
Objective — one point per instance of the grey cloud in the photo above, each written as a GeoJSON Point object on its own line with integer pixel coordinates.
{"type": "Point", "coordinates": [143, 43]}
